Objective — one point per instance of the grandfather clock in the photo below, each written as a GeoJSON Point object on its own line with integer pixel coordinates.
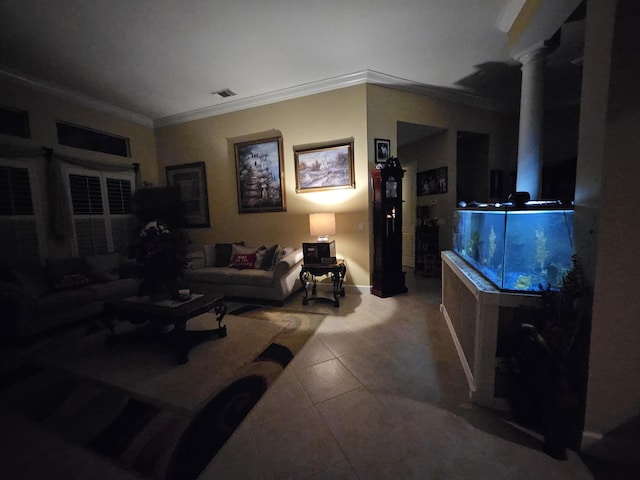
{"type": "Point", "coordinates": [387, 277]}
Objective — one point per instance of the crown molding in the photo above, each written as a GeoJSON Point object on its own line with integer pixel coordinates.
{"type": "Point", "coordinates": [298, 91]}
{"type": "Point", "coordinates": [442, 93]}
{"type": "Point", "coordinates": [75, 97]}
{"type": "Point", "coordinates": [335, 83]}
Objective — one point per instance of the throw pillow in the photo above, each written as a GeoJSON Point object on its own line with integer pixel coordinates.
{"type": "Point", "coordinates": [283, 253]}
{"type": "Point", "coordinates": [196, 257]}
{"type": "Point", "coordinates": [223, 253]}
{"type": "Point", "coordinates": [68, 273]}
{"type": "Point", "coordinates": [269, 257]}
{"type": "Point", "coordinates": [105, 267]}
{"type": "Point", "coordinates": [209, 255]}
{"type": "Point", "coordinates": [243, 260]}
{"type": "Point", "coordinates": [237, 248]}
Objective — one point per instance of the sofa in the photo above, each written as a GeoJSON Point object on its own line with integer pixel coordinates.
{"type": "Point", "coordinates": [234, 270]}
{"type": "Point", "coordinates": [37, 298]}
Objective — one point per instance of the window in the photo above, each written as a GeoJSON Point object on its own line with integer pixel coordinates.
{"type": "Point", "coordinates": [18, 222]}
{"type": "Point", "coordinates": [102, 215]}
{"type": "Point", "coordinates": [14, 122]}
{"type": "Point", "coordinates": [88, 139]}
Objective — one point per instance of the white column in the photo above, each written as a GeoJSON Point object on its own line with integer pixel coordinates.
{"type": "Point", "coordinates": [531, 122]}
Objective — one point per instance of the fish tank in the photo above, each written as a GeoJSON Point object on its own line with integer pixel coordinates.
{"type": "Point", "coordinates": [516, 249]}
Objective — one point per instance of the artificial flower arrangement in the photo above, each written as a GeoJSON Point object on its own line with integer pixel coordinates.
{"type": "Point", "coordinates": [161, 259]}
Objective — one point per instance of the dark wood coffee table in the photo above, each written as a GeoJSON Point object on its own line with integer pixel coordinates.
{"type": "Point", "coordinates": [156, 317]}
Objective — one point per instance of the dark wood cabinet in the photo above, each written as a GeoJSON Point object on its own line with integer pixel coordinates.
{"type": "Point", "coordinates": [387, 277]}
{"type": "Point", "coordinates": [427, 250]}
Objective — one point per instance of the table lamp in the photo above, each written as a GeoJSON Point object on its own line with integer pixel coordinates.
{"type": "Point", "coordinates": [321, 225]}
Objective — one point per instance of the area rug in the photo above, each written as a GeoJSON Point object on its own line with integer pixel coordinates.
{"type": "Point", "coordinates": [132, 404]}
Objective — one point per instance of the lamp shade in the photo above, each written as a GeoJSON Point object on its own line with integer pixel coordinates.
{"type": "Point", "coordinates": [322, 225]}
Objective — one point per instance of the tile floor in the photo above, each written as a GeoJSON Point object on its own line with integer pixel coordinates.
{"type": "Point", "coordinates": [378, 392]}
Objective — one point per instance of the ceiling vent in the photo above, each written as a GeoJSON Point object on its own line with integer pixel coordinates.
{"type": "Point", "coordinates": [224, 93]}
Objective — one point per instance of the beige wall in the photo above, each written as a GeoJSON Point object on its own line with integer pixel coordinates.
{"type": "Point", "coordinates": [610, 144]}
{"type": "Point", "coordinates": [429, 153]}
{"type": "Point", "coordinates": [317, 118]}
{"type": "Point", "coordinates": [45, 109]}
{"type": "Point", "coordinates": [386, 107]}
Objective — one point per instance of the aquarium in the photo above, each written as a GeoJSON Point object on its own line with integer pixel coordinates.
{"type": "Point", "coordinates": [517, 250]}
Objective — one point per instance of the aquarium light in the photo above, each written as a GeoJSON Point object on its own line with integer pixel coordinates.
{"type": "Point", "coordinates": [535, 212]}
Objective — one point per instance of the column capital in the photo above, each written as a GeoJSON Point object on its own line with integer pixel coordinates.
{"type": "Point", "coordinates": [531, 54]}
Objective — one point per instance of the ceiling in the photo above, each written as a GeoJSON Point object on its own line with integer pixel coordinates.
{"type": "Point", "coordinates": [163, 58]}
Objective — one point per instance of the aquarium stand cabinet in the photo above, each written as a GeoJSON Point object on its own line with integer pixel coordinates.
{"type": "Point", "coordinates": [387, 278]}
{"type": "Point", "coordinates": [480, 318]}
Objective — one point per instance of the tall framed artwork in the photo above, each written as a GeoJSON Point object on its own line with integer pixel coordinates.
{"type": "Point", "coordinates": [191, 181]}
{"type": "Point", "coordinates": [260, 176]}
{"type": "Point", "coordinates": [324, 168]}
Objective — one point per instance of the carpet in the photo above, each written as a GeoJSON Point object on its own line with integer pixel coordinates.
{"type": "Point", "coordinates": [132, 404]}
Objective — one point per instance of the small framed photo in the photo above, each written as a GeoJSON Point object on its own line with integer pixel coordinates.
{"type": "Point", "coordinates": [431, 182]}
{"type": "Point", "coordinates": [191, 181]}
{"type": "Point", "coordinates": [259, 173]}
{"type": "Point", "coordinates": [382, 148]}
{"type": "Point", "coordinates": [324, 168]}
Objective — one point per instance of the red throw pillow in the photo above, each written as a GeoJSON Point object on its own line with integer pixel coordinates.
{"type": "Point", "coordinates": [243, 260]}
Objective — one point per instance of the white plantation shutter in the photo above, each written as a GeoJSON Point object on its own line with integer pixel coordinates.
{"type": "Point", "coordinates": [122, 232]}
{"type": "Point", "coordinates": [102, 214]}
{"type": "Point", "coordinates": [18, 228]}
{"type": "Point", "coordinates": [91, 235]}
{"type": "Point", "coordinates": [119, 194]}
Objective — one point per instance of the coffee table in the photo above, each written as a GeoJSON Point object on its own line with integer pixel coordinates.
{"type": "Point", "coordinates": [156, 318]}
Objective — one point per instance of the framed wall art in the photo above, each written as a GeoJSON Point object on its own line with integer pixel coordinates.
{"type": "Point", "coordinates": [260, 176]}
{"type": "Point", "coordinates": [382, 148]}
{"type": "Point", "coordinates": [324, 168]}
{"type": "Point", "coordinates": [432, 181]}
{"type": "Point", "coordinates": [191, 181]}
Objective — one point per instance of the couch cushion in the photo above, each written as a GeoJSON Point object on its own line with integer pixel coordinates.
{"type": "Point", "coordinates": [116, 289]}
{"type": "Point", "coordinates": [63, 300]}
{"type": "Point", "coordinates": [104, 267]}
{"type": "Point", "coordinates": [230, 276]}
{"type": "Point", "coordinates": [32, 279]}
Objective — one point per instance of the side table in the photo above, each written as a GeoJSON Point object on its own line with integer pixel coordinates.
{"type": "Point", "coordinates": [336, 271]}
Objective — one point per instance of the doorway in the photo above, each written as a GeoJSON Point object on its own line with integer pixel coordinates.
{"type": "Point", "coordinates": [472, 167]}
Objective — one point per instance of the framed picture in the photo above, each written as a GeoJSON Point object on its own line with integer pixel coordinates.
{"type": "Point", "coordinates": [191, 181]}
{"type": "Point", "coordinates": [259, 172]}
{"type": "Point", "coordinates": [325, 168]}
{"type": "Point", "coordinates": [431, 182]}
{"type": "Point", "coordinates": [382, 148]}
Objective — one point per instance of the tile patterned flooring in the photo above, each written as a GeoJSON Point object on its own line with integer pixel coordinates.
{"type": "Point", "coordinates": [378, 392]}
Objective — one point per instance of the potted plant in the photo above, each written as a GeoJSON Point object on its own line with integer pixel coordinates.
{"type": "Point", "coordinates": [160, 249]}
{"type": "Point", "coordinates": [549, 363]}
